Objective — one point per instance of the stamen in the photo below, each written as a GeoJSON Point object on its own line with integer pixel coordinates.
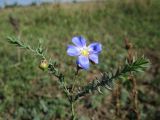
{"type": "Point", "coordinates": [84, 52]}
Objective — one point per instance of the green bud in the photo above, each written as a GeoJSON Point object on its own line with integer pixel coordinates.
{"type": "Point", "coordinates": [43, 65]}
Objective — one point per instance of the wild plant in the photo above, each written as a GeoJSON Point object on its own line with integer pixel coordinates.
{"type": "Point", "coordinates": [86, 56]}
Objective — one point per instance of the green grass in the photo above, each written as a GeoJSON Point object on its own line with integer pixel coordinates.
{"type": "Point", "coordinates": [28, 93]}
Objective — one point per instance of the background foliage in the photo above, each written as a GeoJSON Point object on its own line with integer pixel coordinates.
{"type": "Point", "coordinates": [28, 93]}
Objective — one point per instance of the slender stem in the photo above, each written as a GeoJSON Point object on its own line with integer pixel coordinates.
{"type": "Point", "coordinates": [118, 94]}
{"type": "Point", "coordinates": [74, 79]}
{"type": "Point", "coordinates": [72, 90]}
{"type": "Point", "coordinates": [73, 111]}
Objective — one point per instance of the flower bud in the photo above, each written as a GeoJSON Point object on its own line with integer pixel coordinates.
{"type": "Point", "coordinates": [43, 65]}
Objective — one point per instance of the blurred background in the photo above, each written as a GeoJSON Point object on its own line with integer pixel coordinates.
{"type": "Point", "coordinates": [27, 93]}
{"type": "Point", "coordinates": [4, 3]}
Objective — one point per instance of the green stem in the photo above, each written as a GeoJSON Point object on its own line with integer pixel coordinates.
{"type": "Point", "coordinates": [72, 90]}
{"type": "Point", "coordinates": [73, 112]}
{"type": "Point", "coordinates": [74, 80]}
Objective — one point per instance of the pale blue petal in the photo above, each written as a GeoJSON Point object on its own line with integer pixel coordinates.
{"type": "Point", "coordinates": [94, 58]}
{"type": "Point", "coordinates": [73, 51]}
{"type": "Point", "coordinates": [95, 47]}
{"type": "Point", "coordinates": [79, 41]}
{"type": "Point", "coordinates": [83, 62]}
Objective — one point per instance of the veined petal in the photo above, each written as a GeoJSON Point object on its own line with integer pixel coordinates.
{"type": "Point", "coordinates": [73, 51]}
{"type": "Point", "coordinates": [83, 62]}
{"type": "Point", "coordinates": [94, 58]}
{"type": "Point", "coordinates": [95, 47]}
{"type": "Point", "coordinates": [79, 41]}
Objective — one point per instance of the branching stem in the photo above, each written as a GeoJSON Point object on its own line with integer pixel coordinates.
{"type": "Point", "coordinates": [106, 80]}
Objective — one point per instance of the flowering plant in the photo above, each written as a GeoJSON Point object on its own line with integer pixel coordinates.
{"type": "Point", "coordinates": [84, 54]}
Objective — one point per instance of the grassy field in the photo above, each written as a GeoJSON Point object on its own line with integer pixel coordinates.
{"type": "Point", "coordinates": [27, 93]}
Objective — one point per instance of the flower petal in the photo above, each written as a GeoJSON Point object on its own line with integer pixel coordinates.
{"type": "Point", "coordinates": [83, 62]}
{"type": "Point", "coordinates": [95, 47]}
{"type": "Point", "coordinates": [73, 51]}
{"type": "Point", "coordinates": [94, 58]}
{"type": "Point", "coordinates": [79, 41]}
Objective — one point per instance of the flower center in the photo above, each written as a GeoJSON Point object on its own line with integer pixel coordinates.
{"type": "Point", "coordinates": [84, 52]}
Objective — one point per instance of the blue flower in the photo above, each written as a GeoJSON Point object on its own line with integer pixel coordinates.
{"type": "Point", "coordinates": [83, 52]}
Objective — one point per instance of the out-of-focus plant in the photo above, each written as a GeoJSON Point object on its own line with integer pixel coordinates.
{"type": "Point", "coordinates": [130, 86]}
{"type": "Point", "coordinates": [85, 55]}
